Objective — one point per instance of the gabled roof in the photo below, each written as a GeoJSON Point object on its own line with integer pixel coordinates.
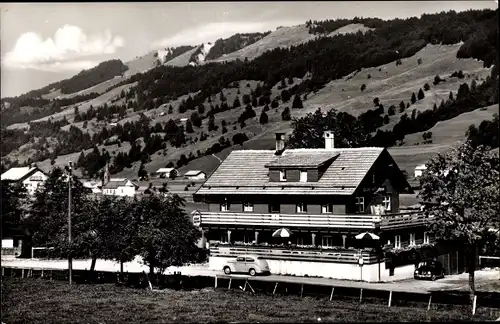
{"type": "Point", "coordinates": [421, 167]}
{"type": "Point", "coordinates": [116, 183]}
{"type": "Point", "coordinates": [302, 158]}
{"type": "Point", "coordinates": [16, 174]}
{"type": "Point", "coordinates": [245, 172]}
{"type": "Point", "coordinates": [165, 170]}
{"type": "Point", "coordinates": [193, 173]}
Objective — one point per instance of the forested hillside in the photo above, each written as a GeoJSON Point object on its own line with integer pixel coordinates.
{"type": "Point", "coordinates": [224, 108]}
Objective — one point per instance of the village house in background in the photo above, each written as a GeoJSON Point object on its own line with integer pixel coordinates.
{"type": "Point", "coordinates": [195, 175]}
{"type": "Point", "coordinates": [324, 198]}
{"type": "Point", "coordinates": [170, 173]}
{"type": "Point", "coordinates": [120, 187]}
{"type": "Point", "coordinates": [419, 169]}
{"type": "Point", "coordinates": [30, 177]}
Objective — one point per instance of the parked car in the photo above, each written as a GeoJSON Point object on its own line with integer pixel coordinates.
{"type": "Point", "coordinates": [429, 270]}
{"type": "Point", "coordinates": [250, 264]}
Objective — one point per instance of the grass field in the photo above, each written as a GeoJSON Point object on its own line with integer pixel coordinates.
{"type": "Point", "coordinates": [37, 300]}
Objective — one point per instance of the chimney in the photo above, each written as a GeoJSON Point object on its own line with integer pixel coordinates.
{"type": "Point", "coordinates": [280, 143]}
{"type": "Point", "coordinates": [329, 140]}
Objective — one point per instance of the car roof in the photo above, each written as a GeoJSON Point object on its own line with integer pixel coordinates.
{"type": "Point", "coordinates": [247, 256]}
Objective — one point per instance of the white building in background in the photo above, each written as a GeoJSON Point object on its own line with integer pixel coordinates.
{"type": "Point", "coordinates": [167, 172]}
{"type": "Point", "coordinates": [195, 175]}
{"type": "Point", "coordinates": [31, 177]}
{"type": "Point", "coordinates": [419, 169]}
{"type": "Point", "coordinates": [120, 187]}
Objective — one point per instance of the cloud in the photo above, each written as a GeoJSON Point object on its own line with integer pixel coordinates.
{"type": "Point", "coordinates": [66, 50]}
{"type": "Point", "coordinates": [213, 31]}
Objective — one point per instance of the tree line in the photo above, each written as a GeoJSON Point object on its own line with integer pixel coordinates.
{"type": "Point", "coordinates": [154, 226]}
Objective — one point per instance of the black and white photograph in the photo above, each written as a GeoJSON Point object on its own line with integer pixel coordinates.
{"type": "Point", "coordinates": [250, 162]}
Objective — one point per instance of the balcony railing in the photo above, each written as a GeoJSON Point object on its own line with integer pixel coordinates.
{"type": "Point", "coordinates": [289, 220]}
{"type": "Point", "coordinates": [393, 221]}
{"type": "Point", "coordinates": [343, 256]}
{"type": "Point", "coordinates": [366, 222]}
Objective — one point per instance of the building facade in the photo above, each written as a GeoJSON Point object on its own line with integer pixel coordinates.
{"type": "Point", "coordinates": [31, 177]}
{"type": "Point", "coordinates": [120, 187]}
{"type": "Point", "coordinates": [325, 197]}
{"type": "Point", "coordinates": [195, 175]}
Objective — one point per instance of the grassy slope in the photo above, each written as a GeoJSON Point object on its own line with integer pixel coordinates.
{"type": "Point", "coordinates": [350, 29]}
{"type": "Point", "coordinates": [36, 300]}
{"type": "Point", "coordinates": [183, 59]}
{"type": "Point", "coordinates": [282, 37]}
{"type": "Point", "coordinates": [391, 84]}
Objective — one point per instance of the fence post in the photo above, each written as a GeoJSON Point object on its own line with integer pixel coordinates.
{"type": "Point", "coordinates": [390, 299]}
{"type": "Point", "coordinates": [458, 271]}
{"type": "Point", "coordinates": [429, 305]}
{"type": "Point", "coordinates": [42, 274]}
{"type": "Point", "coordinates": [22, 273]}
{"type": "Point", "coordinates": [474, 305]}
{"type": "Point", "coordinates": [360, 295]}
{"type": "Point", "coordinates": [230, 280]}
{"type": "Point", "coordinates": [301, 290]}
{"type": "Point", "coordinates": [3, 271]}
{"type": "Point", "coordinates": [275, 286]}
{"type": "Point", "coordinates": [215, 281]}
{"type": "Point", "coordinates": [331, 295]}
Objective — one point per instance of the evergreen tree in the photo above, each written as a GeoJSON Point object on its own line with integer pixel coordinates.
{"type": "Point", "coordinates": [275, 104]}
{"type": "Point", "coordinates": [386, 119]}
{"type": "Point", "coordinates": [285, 115]}
{"type": "Point", "coordinates": [402, 106]}
{"type": "Point", "coordinates": [263, 118]}
{"type": "Point", "coordinates": [297, 103]}
{"type": "Point", "coordinates": [236, 102]}
{"type": "Point", "coordinates": [142, 174]}
{"type": "Point", "coordinates": [420, 94]}
{"type": "Point", "coordinates": [450, 96]}
{"type": "Point", "coordinates": [189, 127]}
{"type": "Point", "coordinates": [392, 110]}
{"type": "Point", "coordinates": [427, 87]}
{"type": "Point", "coordinates": [195, 119]}
{"type": "Point", "coordinates": [211, 123]}
{"type": "Point", "coordinates": [413, 98]}
{"type": "Point", "coordinates": [201, 109]}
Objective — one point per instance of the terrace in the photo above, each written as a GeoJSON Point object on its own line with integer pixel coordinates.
{"type": "Point", "coordinates": [338, 221]}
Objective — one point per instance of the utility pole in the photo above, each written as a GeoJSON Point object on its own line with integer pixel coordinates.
{"type": "Point", "coordinates": [70, 261]}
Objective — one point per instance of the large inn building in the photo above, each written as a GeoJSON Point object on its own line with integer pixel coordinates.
{"type": "Point", "coordinates": [324, 197]}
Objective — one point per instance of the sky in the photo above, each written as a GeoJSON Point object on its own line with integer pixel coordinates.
{"type": "Point", "coordinates": [46, 42]}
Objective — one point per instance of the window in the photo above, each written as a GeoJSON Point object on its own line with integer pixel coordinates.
{"type": "Point", "coordinates": [412, 239]}
{"type": "Point", "coordinates": [300, 241]}
{"type": "Point", "coordinates": [397, 241]}
{"type": "Point", "coordinates": [387, 203]}
{"type": "Point", "coordinates": [426, 238]}
{"type": "Point", "coordinates": [223, 238]}
{"type": "Point", "coordinates": [303, 176]}
{"type": "Point", "coordinates": [327, 209]}
{"type": "Point", "coordinates": [224, 206]}
{"type": "Point", "coordinates": [301, 208]}
{"type": "Point", "coordinates": [326, 241]}
{"type": "Point", "coordinates": [274, 208]}
{"type": "Point", "coordinates": [247, 239]}
{"type": "Point", "coordinates": [282, 175]}
{"type": "Point", "coordinates": [247, 207]}
{"type": "Point", "coordinates": [360, 204]}
{"type": "Point", "coordinates": [249, 260]}
{"type": "Point", "coordinates": [240, 259]}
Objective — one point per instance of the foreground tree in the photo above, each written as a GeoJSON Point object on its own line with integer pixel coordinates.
{"type": "Point", "coordinates": [48, 223]}
{"type": "Point", "coordinates": [165, 236]}
{"type": "Point", "coordinates": [13, 207]}
{"type": "Point", "coordinates": [461, 190]}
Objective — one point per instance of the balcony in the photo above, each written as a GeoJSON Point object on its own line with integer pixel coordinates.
{"type": "Point", "coordinates": [347, 221]}
{"type": "Point", "coordinates": [274, 253]}
{"type": "Point", "coordinates": [394, 221]}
